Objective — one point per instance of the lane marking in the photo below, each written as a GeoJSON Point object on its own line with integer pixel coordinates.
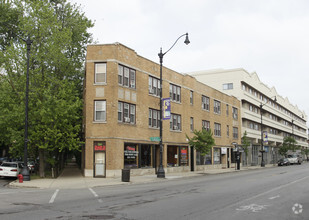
{"type": "Point", "coordinates": [269, 191]}
{"type": "Point", "coordinates": [95, 195]}
{"type": "Point", "coordinates": [52, 199]}
{"type": "Point", "coordinates": [252, 207]}
{"type": "Point", "coordinates": [93, 192]}
{"type": "Point", "coordinates": [274, 197]}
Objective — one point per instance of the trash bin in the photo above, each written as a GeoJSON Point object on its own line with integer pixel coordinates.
{"type": "Point", "coordinates": [125, 175]}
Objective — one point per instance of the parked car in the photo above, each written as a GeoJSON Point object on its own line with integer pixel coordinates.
{"type": "Point", "coordinates": [294, 159]}
{"type": "Point", "coordinates": [10, 169]}
{"type": "Point", "coordinates": [31, 166]}
{"type": "Point", "coordinates": [283, 162]}
{"type": "Point", "coordinates": [3, 159]}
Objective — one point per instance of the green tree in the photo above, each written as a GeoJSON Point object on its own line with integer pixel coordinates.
{"type": "Point", "coordinates": [289, 143]}
{"type": "Point", "coordinates": [59, 31]}
{"type": "Point", "coordinates": [202, 141]}
{"type": "Point", "coordinates": [245, 143]}
{"type": "Point", "coordinates": [305, 152]}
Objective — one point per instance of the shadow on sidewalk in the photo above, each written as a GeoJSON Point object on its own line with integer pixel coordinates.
{"type": "Point", "coordinates": [71, 170]}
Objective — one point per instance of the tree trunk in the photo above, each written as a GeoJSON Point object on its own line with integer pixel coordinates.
{"type": "Point", "coordinates": [42, 164]}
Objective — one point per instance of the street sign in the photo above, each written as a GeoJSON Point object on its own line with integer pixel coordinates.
{"type": "Point", "coordinates": [155, 138]}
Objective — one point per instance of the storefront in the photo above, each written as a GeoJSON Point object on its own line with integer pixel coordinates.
{"type": "Point", "coordinates": [177, 156]}
{"type": "Point", "coordinates": [140, 155]}
{"type": "Point", "coordinates": [99, 159]}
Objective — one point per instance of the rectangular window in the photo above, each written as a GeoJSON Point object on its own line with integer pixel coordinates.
{"type": "Point", "coordinates": [206, 125]}
{"type": "Point", "coordinates": [227, 86]}
{"type": "Point", "coordinates": [227, 109]}
{"type": "Point", "coordinates": [175, 93]}
{"type": "Point", "coordinates": [217, 107]}
{"type": "Point", "coordinates": [217, 155]}
{"type": "Point", "coordinates": [100, 110]}
{"type": "Point", "coordinates": [191, 97]}
{"type": "Point", "coordinates": [154, 118]}
{"type": "Point", "coordinates": [130, 155]}
{"type": "Point", "coordinates": [126, 76]}
{"type": "Point", "coordinates": [154, 86]}
{"type": "Point", "coordinates": [203, 160]}
{"type": "Point", "coordinates": [100, 73]}
{"type": "Point", "coordinates": [126, 112]}
{"type": "Point", "coordinates": [217, 130]}
{"type": "Point", "coordinates": [235, 132]}
{"type": "Point", "coordinates": [205, 103]}
{"type": "Point", "coordinates": [228, 130]}
{"type": "Point", "coordinates": [175, 122]}
{"type": "Point", "coordinates": [235, 113]}
{"type": "Point", "coordinates": [191, 124]}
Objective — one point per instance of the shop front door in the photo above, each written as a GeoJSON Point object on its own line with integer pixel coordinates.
{"type": "Point", "coordinates": [99, 164]}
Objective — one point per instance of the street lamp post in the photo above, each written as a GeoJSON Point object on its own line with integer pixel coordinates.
{"type": "Point", "coordinates": [161, 172]}
{"type": "Point", "coordinates": [25, 171]}
{"type": "Point", "coordinates": [262, 139]}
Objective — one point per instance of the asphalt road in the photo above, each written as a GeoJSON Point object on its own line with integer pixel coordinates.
{"type": "Point", "coordinates": [4, 181]}
{"type": "Point", "coordinates": [270, 193]}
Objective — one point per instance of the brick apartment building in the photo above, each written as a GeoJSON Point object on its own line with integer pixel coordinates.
{"type": "Point", "coordinates": [121, 116]}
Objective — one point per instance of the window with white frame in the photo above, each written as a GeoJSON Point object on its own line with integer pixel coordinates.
{"type": "Point", "coordinates": [227, 86]}
{"type": "Point", "coordinates": [100, 73]}
{"type": "Point", "coordinates": [175, 93]}
{"type": "Point", "coordinates": [273, 131]}
{"type": "Point", "coordinates": [154, 86]}
{"type": "Point", "coordinates": [175, 122]}
{"type": "Point", "coordinates": [235, 132]}
{"type": "Point", "coordinates": [154, 118]}
{"type": "Point", "coordinates": [235, 113]}
{"type": "Point", "coordinates": [126, 76]}
{"type": "Point", "coordinates": [191, 124]}
{"type": "Point", "coordinates": [205, 103]}
{"type": "Point", "coordinates": [206, 124]}
{"type": "Point", "coordinates": [126, 112]}
{"type": "Point", "coordinates": [217, 131]}
{"type": "Point", "coordinates": [217, 107]}
{"type": "Point", "coordinates": [100, 111]}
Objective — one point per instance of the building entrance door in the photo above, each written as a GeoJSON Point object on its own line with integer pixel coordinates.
{"type": "Point", "coordinates": [99, 158]}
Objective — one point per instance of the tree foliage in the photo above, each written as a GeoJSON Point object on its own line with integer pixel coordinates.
{"type": "Point", "coordinates": [289, 144]}
{"type": "Point", "coordinates": [59, 31]}
{"type": "Point", "coordinates": [245, 143]}
{"type": "Point", "coordinates": [202, 141]}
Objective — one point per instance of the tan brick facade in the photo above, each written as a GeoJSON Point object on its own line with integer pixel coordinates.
{"type": "Point", "coordinates": [114, 135]}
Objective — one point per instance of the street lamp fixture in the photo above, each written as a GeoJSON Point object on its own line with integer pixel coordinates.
{"type": "Point", "coordinates": [161, 172]}
{"type": "Point", "coordinates": [262, 138]}
{"type": "Point", "coordinates": [25, 171]}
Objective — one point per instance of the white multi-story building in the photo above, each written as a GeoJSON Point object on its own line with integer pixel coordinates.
{"type": "Point", "coordinates": [278, 118]}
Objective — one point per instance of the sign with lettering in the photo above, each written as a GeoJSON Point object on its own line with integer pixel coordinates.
{"type": "Point", "coordinates": [99, 146]}
{"type": "Point", "coordinates": [130, 152]}
{"type": "Point", "coordinates": [166, 108]}
{"type": "Point", "coordinates": [155, 138]}
{"type": "Point", "coordinates": [265, 137]}
{"type": "Point", "coordinates": [184, 155]}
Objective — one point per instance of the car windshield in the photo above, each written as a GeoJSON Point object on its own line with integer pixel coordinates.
{"type": "Point", "coordinates": [9, 165]}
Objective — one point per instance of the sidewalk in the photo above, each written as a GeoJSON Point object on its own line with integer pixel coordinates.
{"type": "Point", "coordinates": [72, 178]}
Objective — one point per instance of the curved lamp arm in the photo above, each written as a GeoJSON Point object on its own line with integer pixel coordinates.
{"type": "Point", "coordinates": [186, 42]}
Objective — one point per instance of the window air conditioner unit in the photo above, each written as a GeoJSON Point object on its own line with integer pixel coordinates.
{"type": "Point", "coordinates": [126, 119]}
